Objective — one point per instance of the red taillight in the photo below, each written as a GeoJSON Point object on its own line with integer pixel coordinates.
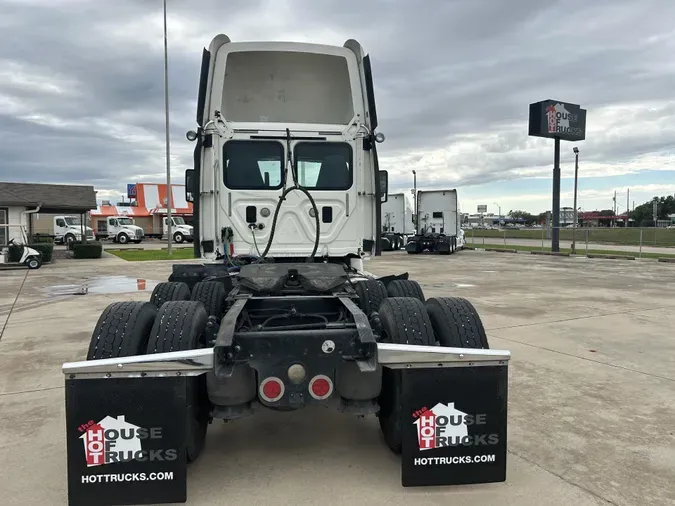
{"type": "Point", "coordinates": [271, 389]}
{"type": "Point", "coordinates": [320, 387]}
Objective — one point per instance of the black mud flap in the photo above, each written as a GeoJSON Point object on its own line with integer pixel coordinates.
{"type": "Point", "coordinates": [126, 441]}
{"type": "Point", "coordinates": [454, 426]}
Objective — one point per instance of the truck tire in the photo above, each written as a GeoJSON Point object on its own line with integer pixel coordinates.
{"type": "Point", "coordinates": [456, 323]}
{"type": "Point", "coordinates": [69, 238]}
{"type": "Point", "coordinates": [122, 330]}
{"type": "Point", "coordinates": [371, 293]}
{"type": "Point", "coordinates": [123, 238]}
{"type": "Point", "coordinates": [180, 326]}
{"type": "Point", "coordinates": [212, 294]}
{"type": "Point", "coordinates": [405, 288]}
{"type": "Point", "coordinates": [404, 321]}
{"type": "Point", "coordinates": [169, 290]}
{"type": "Point", "coordinates": [178, 237]}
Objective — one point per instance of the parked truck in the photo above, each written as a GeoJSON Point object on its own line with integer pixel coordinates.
{"type": "Point", "coordinates": [122, 230]}
{"type": "Point", "coordinates": [181, 231]}
{"type": "Point", "coordinates": [279, 312]}
{"type": "Point", "coordinates": [63, 229]}
{"type": "Point", "coordinates": [397, 222]}
{"type": "Point", "coordinates": [439, 223]}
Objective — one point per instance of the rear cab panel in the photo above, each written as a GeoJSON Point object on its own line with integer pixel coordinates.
{"type": "Point", "coordinates": [254, 92]}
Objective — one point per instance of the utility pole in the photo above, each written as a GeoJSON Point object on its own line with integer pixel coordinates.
{"type": "Point", "coordinates": [166, 128]}
{"type": "Point", "coordinates": [627, 205]}
{"type": "Point", "coordinates": [415, 200]}
{"type": "Point", "coordinates": [614, 216]}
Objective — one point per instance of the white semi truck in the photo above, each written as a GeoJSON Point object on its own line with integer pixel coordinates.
{"type": "Point", "coordinates": [122, 230]}
{"type": "Point", "coordinates": [279, 312]}
{"type": "Point", "coordinates": [397, 222]}
{"type": "Point", "coordinates": [181, 231]}
{"type": "Point", "coordinates": [64, 229]}
{"type": "Point", "coordinates": [439, 220]}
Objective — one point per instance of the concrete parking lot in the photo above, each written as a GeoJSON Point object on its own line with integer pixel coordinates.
{"type": "Point", "coordinates": [591, 400]}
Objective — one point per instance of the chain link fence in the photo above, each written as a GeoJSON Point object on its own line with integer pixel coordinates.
{"type": "Point", "coordinates": [638, 241]}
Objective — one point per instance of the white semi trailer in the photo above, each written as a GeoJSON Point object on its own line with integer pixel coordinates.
{"type": "Point", "coordinates": [397, 222]}
{"type": "Point", "coordinates": [439, 222]}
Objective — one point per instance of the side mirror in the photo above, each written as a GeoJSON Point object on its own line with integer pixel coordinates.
{"type": "Point", "coordinates": [190, 185]}
{"type": "Point", "coordinates": [384, 185]}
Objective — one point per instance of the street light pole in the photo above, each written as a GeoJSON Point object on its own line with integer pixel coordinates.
{"type": "Point", "coordinates": [500, 213]}
{"type": "Point", "coordinates": [415, 200]}
{"type": "Point", "coordinates": [576, 220]}
{"type": "Point", "coordinates": [166, 128]}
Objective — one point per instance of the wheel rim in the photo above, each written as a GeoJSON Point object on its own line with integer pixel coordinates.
{"type": "Point", "coordinates": [33, 264]}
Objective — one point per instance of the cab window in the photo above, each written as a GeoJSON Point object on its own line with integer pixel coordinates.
{"type": "Point", "coordinates": [253, 165]}
{"type": "Point", "coordinates": [324, 165]}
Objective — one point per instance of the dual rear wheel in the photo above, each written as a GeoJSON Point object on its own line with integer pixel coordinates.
{"type": "Point", "coordinates": [406, 317]}
{"type": "Point", "coordinates": [174, 320]}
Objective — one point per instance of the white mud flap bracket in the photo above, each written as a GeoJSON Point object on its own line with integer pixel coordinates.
{"type": "Point", "coordinates": [126, 421]}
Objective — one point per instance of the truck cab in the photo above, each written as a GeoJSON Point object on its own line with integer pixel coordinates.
{"type": "Point", "coordinates": [121, 229]}
{"type": "Point", "coordinates": [68, 229]}
{"type": "Point", "coordinates": [286, 160]}
{"type": "Point", "coordinates": [180, 230]}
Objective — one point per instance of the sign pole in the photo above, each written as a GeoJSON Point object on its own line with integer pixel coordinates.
{"type": "Point", "coordinates": [559, 121]}
{"type": "Point", "coordinates": [555, 233]}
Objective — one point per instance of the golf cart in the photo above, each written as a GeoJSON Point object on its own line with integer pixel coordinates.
{"type": "Point", "coordinates": [30, 257]}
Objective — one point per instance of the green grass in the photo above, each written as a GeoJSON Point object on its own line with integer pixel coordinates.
{"type": "Point", "coordinates": [153, 254]}
{"type": "Point", "coordinates": [626, 236]}
{"type": "Point", "coordinates": [580, 251]}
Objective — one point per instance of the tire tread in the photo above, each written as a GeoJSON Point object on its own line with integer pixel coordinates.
{"type": "Point", "coordinates": [405, 288]}
{"type": "Point", "coordinates": [456, 323]}
{"type": "Point", "coordinates": [169, 291]}
{"type": "Point", "coordinates": [122, 330]}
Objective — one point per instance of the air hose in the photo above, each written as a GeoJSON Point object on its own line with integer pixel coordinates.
{"type": "Point", "coordinates": [286, 191]}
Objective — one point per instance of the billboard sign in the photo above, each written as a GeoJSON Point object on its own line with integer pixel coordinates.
{"type": "Point", "coordinates": [552, 118]}
{"type": "Point", "coordinates": [131, 191]}
{"type": "Point", "coordinates": [482, 209]}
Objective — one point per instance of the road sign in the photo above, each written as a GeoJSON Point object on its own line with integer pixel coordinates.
{"type": "Point", "coordinates": [482, 209]}
{"type": "Point", "coordinates": [552, 118]}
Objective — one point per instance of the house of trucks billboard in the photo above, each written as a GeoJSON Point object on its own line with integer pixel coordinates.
{"type": "Point", "coordinates": [552, 118]}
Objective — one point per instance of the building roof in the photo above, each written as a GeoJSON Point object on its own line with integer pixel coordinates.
{"type": "Point", "coordinates": [150, 199]}
{"type": "Point", "coordinates": [51, 197]}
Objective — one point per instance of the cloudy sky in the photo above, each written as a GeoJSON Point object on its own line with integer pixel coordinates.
{"type": "Point", "coordinates": [81, 89]}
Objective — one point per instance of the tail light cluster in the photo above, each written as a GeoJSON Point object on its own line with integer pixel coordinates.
{"type": "Point", "coordinates": [272, 389]}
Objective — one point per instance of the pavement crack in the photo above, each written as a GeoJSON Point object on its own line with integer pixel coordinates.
{"type": "Point", "coordinates": [600, 362]}
{"type": "Point", "coordinates": [9, 315]}
{"type": "Point", "coordinates": [586, 317]}
{"type": "Point", "coordinates": [19, 392]}
{"type": "Point", "coordinates": [566, 480]}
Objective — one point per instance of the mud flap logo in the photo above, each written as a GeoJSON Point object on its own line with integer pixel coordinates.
{"type": "Point", "coordinates": [445, 426]}
{"type": "Point", "coordinates": [114, 440]}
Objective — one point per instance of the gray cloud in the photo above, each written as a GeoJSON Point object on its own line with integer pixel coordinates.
{"type": "Point", "coordinates": [81, 84]}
